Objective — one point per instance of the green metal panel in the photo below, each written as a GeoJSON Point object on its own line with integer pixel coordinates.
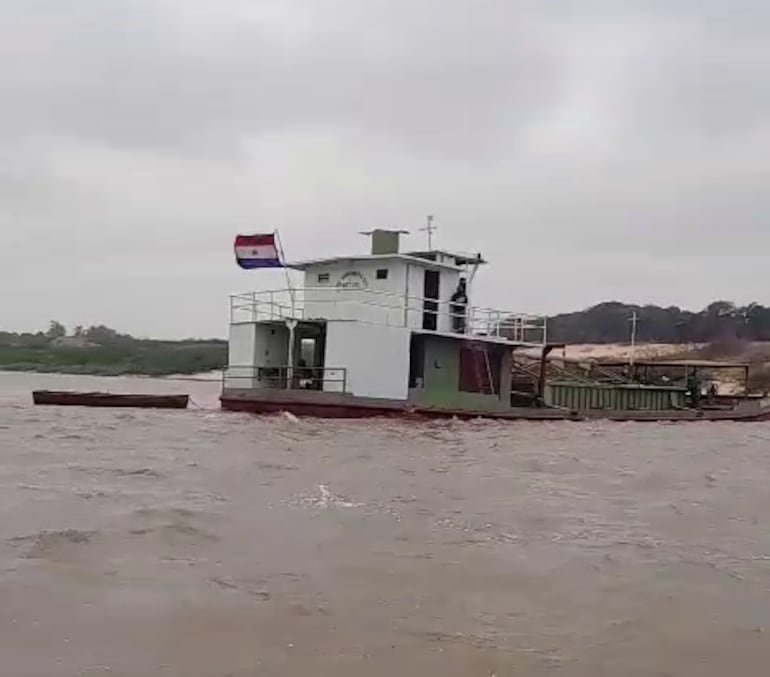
{"type": "Point", "coordinates": [442, 378]}
{"type": "Point", "coordinates": [442, 365]}
{"type": "Point", "coordinates": [587, 396]}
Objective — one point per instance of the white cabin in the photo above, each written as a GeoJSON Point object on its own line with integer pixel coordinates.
{"type": "Point", "coordinates": [379, 326]}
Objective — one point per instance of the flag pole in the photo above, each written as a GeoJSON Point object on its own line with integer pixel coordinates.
{"type": "Point", "coordinates": [291, 324]}
{"type": "Point", "coordinates": [286, 270]}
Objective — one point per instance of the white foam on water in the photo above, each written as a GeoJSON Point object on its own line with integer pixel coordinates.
{"type": "Point", "coordinates": [327, 498]}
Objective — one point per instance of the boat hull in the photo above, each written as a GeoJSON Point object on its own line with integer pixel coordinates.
{"type": "Point", "coordinates": [311, 405]}
{"type": "Point", "coordinates": [95, 399]}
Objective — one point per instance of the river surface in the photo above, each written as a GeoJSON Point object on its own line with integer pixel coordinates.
{"type": "Point", "coordinates": [206, 544]}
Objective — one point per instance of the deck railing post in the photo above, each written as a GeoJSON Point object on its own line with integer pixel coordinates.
{"type": "Point", "coordinates": [292, 326]}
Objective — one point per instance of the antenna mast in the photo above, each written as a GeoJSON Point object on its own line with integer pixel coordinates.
{"type": "Point", "coordinates": [634, 320]}
{"type": "Point", "coordinates": [430, 229]}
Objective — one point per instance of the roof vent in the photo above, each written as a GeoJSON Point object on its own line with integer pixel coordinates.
{"type": "Point", "coordinates": [385, 241]}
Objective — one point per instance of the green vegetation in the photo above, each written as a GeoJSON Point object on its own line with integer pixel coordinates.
{"type": "Point", "coordinates": [103, 351]}
{"type": "Point", "coordinates": [609, 323]}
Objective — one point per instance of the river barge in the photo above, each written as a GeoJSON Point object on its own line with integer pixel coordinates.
{"type": "Point", "coordinates": [384, 334]}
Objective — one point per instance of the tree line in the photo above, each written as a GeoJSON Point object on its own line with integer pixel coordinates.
{"type": "Point", "coordinates": [611, 323]}
{"type": "Point", "coordinates": [103, 350]}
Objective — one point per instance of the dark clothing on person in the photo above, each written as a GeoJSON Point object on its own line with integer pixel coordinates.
{"type": "Point", "coordinates": [694, 388]}
{"type": "Point", "coordinates": [457, 307]}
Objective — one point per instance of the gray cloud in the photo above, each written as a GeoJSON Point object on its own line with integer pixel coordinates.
{"type": "Point", "coordinates": [156, 74]}
{"type": "Point", "coordinates": [592, 149]}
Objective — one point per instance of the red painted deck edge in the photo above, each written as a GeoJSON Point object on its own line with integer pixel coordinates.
{"type": "Point", "coordinates": [350, 411]}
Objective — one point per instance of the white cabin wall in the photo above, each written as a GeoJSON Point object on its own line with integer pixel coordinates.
{"type": "Point", "coordinates": [241, 345]}
{"type": "Point", "coordinates": [271, 345]}
{"type": "Point", "coordinates": [447, 287]}
{"type": "Point", "coordinates": [399, 305]}
{"type": "Point", "coordinates": [252, 346]}
{"type": "Point", "coordinates": [448, 280]}
{"type": "Point", "coordinates": [416, 282]}
{"type": "Point", "coordinates": [354, 303]}
{"type": "Point", "coordinates": [240, 358]}
{"type": "Point", "coordinates": [376, 359]}
{"type": "Point", "coordinates": [271, 354]}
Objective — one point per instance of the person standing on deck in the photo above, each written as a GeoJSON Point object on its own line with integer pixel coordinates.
{"type": "Point", "coordinates": [457, 308]}
{"type": "Point", "coordinates": [694, 388]}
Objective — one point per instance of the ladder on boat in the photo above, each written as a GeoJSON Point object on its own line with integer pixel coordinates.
{"type": "Point", "coordinates": [484, 377]}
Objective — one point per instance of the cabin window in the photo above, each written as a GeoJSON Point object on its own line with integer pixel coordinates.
{"type": "Point", "coordinates": [382, 274]}
{"type": "Point", "coordinates": [323, 278]}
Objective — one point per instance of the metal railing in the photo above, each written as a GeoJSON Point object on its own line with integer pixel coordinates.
{"type": "Point", "coordinates": [284, 377]}
{"type": "Point", "coordinates": [386, 308]}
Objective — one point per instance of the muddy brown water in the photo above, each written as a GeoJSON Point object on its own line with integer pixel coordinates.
{"type": "Point", "coordinates": [208, 544]}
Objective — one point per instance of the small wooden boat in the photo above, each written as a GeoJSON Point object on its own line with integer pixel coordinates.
{"type": "Point", "coordinates": [95, 399]}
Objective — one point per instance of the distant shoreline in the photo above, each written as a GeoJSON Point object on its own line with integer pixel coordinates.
{"type": "Point", "coordinates": [209, 376]}
{"type": "Point", "coordinates": [205, 361]}
{"type": "Point", "coordinates": [100, 351]}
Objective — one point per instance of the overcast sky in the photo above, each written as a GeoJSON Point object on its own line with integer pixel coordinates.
{"type": "Point", "coordinates": [592, 150]}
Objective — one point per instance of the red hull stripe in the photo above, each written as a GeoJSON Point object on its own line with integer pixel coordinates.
{"type": "Point", "coordinates": [255, 240]}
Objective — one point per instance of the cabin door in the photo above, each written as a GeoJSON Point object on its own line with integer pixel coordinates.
{"type": "Point", "coordinates": [430, 303]}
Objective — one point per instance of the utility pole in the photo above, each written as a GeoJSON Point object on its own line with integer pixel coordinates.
{"type": "Point", "coordinates": [634, 320]}
{"type": "Point", "coordinates": [430, 229]}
